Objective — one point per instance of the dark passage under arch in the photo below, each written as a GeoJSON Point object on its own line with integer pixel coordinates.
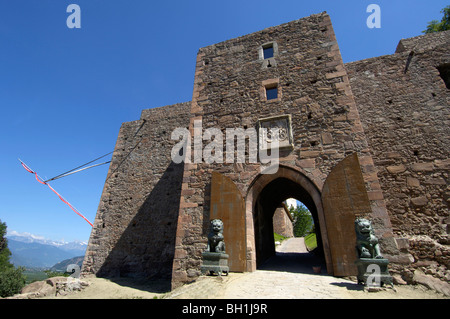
{"type": "Point", "coordinates": [267, 202]}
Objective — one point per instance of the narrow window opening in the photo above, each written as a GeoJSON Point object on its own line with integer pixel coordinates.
{"type": "Point", "coordinates": [268, 51]}
{"type": "Point", "coordinates": [271, 92]}
{"type": "Point", "coordinates": [444, 72]}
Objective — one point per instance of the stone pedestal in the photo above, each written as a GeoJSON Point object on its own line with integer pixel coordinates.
{"type": "Point", "coordinates": [215, 263]}
{"type": "Point", "coordinates": [373, 272]}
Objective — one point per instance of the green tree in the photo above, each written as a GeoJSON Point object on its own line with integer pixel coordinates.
{"type": "Point", "coordinates": [436, 26]}
{"type": "Point", "coordinates": [5, 253]}
{"type": "Point", "coordinates": [303, 221]}
{"type": "Point", "coordinates": [12, 279]}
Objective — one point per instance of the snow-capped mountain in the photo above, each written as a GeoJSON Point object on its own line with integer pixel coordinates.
{"type": "Point", "coordinates": [31, 238]}
{"type": "Point", "coordinates": [36, 251]}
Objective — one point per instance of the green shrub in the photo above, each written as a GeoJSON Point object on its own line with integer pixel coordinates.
{"type": "Point", "coordinates": [11, 281]}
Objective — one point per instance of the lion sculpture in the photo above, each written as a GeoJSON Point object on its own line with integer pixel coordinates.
{"type": "Point", "coordinates": [216, 242]}
{"type": "Point", "coordinates": [366, 241]}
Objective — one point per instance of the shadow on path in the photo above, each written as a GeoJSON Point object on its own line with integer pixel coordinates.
{"type": "Point", "coordinates": [293, 256]}
{"type": "Point", "coordinates": [349, 285]}
{"type": "Point", "coordinates": [295, 263]}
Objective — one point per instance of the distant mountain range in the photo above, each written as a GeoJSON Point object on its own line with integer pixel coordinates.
{"type": "Point", "coordinates": [36, 252]}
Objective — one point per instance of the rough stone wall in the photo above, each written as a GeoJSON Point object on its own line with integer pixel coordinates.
{"type": "Point", "coordinates": [229, 93]}
{"type": "Point", "coordinates": [424, 42]}
{"type": "Point", "coordinates": [282, 224]}
{"type": "Point", "coordinates": [404, 106]}
{"type": "Point", "coordinates": [135, 225]}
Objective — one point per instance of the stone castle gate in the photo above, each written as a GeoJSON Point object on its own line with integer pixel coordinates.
{"type": "Point", "coordinates": [154, 214]}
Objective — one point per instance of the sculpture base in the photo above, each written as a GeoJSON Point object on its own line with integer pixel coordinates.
{"type": "Point", "coordinates": [215, 263]}
{"type": "Point", "coordinates": [373, 272]}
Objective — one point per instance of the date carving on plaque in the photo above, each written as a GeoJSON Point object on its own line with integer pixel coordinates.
{"type": "Point", "coordinates": [273, 129]}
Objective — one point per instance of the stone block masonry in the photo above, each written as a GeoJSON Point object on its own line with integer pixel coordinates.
{"type": "Point", "coordinates": [134, 230]}
{"type": "Point", "coordinates": [404, 106]}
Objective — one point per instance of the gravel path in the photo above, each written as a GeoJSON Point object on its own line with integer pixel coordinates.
{"type": "Point", "coordinates": [289, 275]}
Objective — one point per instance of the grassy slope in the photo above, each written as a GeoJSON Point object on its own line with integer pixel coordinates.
{"type": "Point", "coordinates": [310, 241]}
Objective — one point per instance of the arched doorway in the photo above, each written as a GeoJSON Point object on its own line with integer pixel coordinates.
{"type": "Point", "coordinates": [264, 196]}
{"type": "Point", "coordinates": [274, 193]}
{"type": "Point", "coordinates": [249, 219]}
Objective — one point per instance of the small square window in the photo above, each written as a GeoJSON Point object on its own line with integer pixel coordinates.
{"type": "Point", "coordinates": [270, 90]}
{"type": "Point", "coordinates": [268, 51]}
{"type": "Point", "coordinates": [272, 93]}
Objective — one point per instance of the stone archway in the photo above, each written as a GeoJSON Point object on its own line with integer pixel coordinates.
{"type": "Point", "coordinates": [265, 192]}
{"type": "Point", "coordinates": [249, 219]}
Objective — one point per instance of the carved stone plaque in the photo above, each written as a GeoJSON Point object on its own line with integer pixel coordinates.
{"type": "Point", "coordinates": [277, 128]}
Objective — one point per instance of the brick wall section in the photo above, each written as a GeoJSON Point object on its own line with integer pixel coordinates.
{"type": "Point", "coordinates": [134, 229]}
{"type": "Point", "coordinates": [406, 118]}
{"type": "Point", "coordinates": [313, 88]}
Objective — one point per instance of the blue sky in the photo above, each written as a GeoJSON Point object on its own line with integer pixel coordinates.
{"type": "Point", "coordinates": [65, 92]}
